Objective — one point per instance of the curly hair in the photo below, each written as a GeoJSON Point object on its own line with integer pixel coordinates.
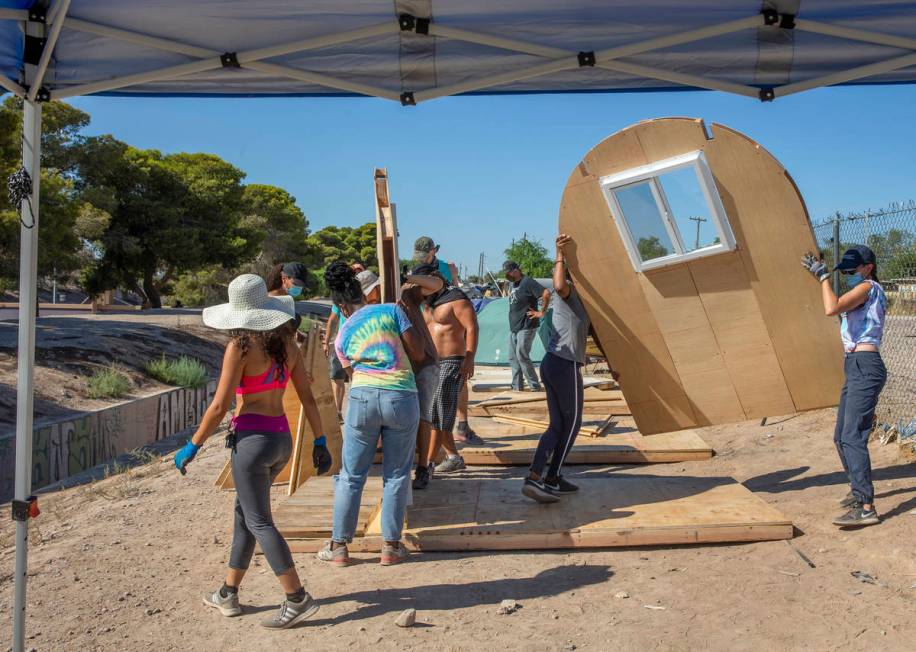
{"type": "Point", "coordinates": [341, 281]}
{"type": "Point", "coordinates": [272, 343]}
{"type": "Point", "coordinates": [275, 278]}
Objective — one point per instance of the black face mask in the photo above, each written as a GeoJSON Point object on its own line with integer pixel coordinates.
{"type": "Point", "coordinates": [432, 298]}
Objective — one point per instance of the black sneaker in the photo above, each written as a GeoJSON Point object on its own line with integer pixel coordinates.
{"type": "Point", "coordinates": [537, 490]}
{"type": "Point", "coordinates": [858, 516]}
{"type": "Point", "coordinates": [849, 501]}
{"type": "Point", "coordinates": [561, 485]}
{"type": "Point", "coordinates": [421, 478]}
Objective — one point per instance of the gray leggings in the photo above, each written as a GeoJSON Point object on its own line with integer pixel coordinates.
{"type": "Point", "coordinates": [257, 459]}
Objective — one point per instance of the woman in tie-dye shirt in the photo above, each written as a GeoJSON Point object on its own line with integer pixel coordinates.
{"type": "Point", "coordinates": [375, 346]}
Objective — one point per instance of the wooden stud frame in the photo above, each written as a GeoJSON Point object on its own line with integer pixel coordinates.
{"type": "Point", "coordinates": [693, 160]}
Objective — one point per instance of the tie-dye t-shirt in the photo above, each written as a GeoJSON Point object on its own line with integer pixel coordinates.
{"type": "Point", "coordinates": [370, 343]}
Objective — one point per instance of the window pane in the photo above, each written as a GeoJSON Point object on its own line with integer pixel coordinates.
{"type": "Point", "coordinates": [644, 220]}
{"type": "Point", "coordinates": [690, 211]}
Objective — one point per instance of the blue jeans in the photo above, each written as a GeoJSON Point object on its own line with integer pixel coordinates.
{"type": "Point", "coordinates": [865, 378]}
{"type": "Point", "coordinates": [393, 414]}
{"type": "Point", "coordinates": [520, 359]}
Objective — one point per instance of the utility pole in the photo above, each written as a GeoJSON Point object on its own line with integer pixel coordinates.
{"type": "Point", "coordinates": [480, 267]}
{"type": "Point", "coordinates": [696, 219]}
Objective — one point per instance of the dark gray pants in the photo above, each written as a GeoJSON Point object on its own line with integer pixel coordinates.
{"type": "Point", "coordinates": [257, 459]}
{"type": "Point", "coordinates": [563, 381]}
{"type": "Point", "coordinates": [865, 377]}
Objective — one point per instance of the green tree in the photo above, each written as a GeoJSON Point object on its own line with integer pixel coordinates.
{"type": "Point", "coordinates": [59, 205]}
{"type": "Point", "coordinates": [169, 214]}
{"type": "Point", "coordinates": [650, 248]}
{"type": "Point", "coordinates": [282, 226]}
{"type": "Point", "coordinates": [531, 256]}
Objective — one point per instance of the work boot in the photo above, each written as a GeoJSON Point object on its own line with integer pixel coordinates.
{"type": "Point", "coordinates": [858, 516]}
{"type": "Point", "coordinates": [421, 478]}
{"type": "Point", "coordinates": [291, 612]}
{"type": "Point", "coordinates": [561, 485]}
{"type": "Point", "coordinates": [537, 490]}
{"type": "Point", "coordinates": [451, 464]}
{"type": "Point", "coordinates": [228, 606]}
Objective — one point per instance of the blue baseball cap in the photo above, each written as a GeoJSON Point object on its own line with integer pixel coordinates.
{"type": "Point", "coordinates": [855, 256]}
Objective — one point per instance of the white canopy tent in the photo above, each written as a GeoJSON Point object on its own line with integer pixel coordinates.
{"type": "Point", "coordinates": [412, 51]}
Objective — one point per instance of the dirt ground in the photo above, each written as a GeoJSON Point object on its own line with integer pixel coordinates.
{"type": "Point", "coordinates": [70, 347]}
{"type": "Point", "coordinates": [120, 565]}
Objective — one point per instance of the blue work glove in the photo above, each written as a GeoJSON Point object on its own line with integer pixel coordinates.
{"type": "Point", "coordinates": [321, 456]}
{"type": "Point", "coordinates": [817, 267]}
{"type": "Point", "coordinates": [185, 455]}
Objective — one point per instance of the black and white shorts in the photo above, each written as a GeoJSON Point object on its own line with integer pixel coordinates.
{"type": "Point", "coordinates": [445, 401]}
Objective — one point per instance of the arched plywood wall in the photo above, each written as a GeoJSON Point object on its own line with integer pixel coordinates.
{"type": "Point", "coordinates": [728, 337]}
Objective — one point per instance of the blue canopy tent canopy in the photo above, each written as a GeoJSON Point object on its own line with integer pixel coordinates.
{"type": "Point", "coordinates": [413, 51]}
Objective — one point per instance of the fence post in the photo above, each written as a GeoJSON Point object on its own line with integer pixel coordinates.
{"type": "Point", "coordinates": [836, 252]}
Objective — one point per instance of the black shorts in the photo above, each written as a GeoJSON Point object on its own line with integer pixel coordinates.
{"type": "Point", "coordinates": [335, 369]}
{"type": "Point", "coordinates": [445, 401]}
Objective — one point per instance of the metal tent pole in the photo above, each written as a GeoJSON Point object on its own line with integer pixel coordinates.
{"type": "Point", "coordinates": [28, 281]}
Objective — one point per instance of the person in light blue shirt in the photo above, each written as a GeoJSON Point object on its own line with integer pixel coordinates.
{"type": "Point", "coordinates": [861, 311]}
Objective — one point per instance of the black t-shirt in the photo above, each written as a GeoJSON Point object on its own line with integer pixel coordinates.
{"type": "Point", "coordinates": [524, 297]}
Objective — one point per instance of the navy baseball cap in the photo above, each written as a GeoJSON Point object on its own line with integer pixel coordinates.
{"type": "Point", "coordinates": [855, 256]}
{"type": "Point", "coordinates": [510, 265]}
{"type": "Point", "coordinates": [297, 273]}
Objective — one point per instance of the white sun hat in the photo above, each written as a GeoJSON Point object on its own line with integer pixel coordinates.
{"type": "Point", "coordinates": [250, 307]}
{"type": "Point", "coordinates": [368, 281]}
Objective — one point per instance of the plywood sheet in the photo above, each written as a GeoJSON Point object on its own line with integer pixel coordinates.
{"type": "Point", "coordinates": [717, 339]}
{"type": "Point", "coordinates": [299, 467]}
{"type": "Point", "coordinates": [507, 444]}
{"type": "Point", "coordinates": [620, 509]}
{"type": "Point", "coordinates": [309, 512]}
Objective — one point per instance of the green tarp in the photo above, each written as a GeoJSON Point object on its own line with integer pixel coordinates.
{"type": "Point", "coordinates": [493, 344]}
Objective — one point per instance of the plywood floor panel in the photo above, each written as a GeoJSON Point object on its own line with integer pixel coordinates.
{"type": "Point", "coordinates": [619, 509]}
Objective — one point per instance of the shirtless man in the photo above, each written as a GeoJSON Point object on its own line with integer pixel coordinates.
{"type": "Point", "coordinates": [453, 326]}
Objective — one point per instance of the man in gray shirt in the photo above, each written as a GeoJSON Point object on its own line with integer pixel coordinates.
{"type": "Point", "coordinates": [524, 319]}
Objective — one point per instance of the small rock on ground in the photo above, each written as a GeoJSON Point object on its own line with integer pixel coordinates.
{"type": "Point", "coordinates": [507, 607]}
{"type": "Point", "coordinates": [407, 618]}
{"type": "Point", "coordinates": [621, 595]}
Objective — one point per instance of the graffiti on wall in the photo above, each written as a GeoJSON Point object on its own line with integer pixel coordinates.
{"type": "Point", "coordinates": [64, 448]}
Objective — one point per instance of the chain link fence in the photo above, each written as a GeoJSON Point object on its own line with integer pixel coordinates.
{"type": "Point", "coordinates": [891, 234]}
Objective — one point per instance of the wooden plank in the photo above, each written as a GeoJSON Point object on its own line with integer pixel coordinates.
{"type": "Point", "coordinates": [514, 444]}
{"type": "Point", "coordinates": [309, 512]}
{"type": "Point", "coordinates": [386, 231]}
{"type": "Point", "coordinates": [621, 509]}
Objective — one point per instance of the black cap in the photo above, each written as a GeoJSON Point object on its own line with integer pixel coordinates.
{"type": "Point", "coordinates": [855, 256]}
{"type": "Point", "coordinates": [510, 265]}
{"type": "Point", "coordinates": [297, 273]}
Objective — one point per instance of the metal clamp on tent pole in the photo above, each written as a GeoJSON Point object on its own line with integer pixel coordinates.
{"type": "Point", "coordinates": [23, 510]}
{"type": "Point", "coordinates": [43, 94]}
{"type": "Point", "coordinates": [33, 45]}
{"type": "Point", "coordinates": [411, 23]}
{"type": "Point", "coordinates": [407, 99]}
{"type": "Point", "coordinates": [772, 17]}
{"type": "Point", "coordinates": [230, 60]}
{"type": "Point", "coordinates": [586, 59]}
{"type": "Point", "coordinates": [767, 94]}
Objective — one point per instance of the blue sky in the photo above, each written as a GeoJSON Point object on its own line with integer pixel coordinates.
{"type": "Point", "coordinates": [475, 172]}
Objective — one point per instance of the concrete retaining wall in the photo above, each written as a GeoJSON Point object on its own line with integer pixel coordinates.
{"type": "Point", "coordinates": [68, 446]}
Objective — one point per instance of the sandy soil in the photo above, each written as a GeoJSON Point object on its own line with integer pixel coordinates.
{"type": "Point", "coordinates": [120, 564]}
{"type": "Point", "coordinates": [69, 348]}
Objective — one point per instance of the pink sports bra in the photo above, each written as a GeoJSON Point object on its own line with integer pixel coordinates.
{"type": "Point", "coordinates": [273, 378]}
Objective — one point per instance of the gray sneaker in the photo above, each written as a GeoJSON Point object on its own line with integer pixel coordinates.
{"type": "Point", "coordinates": [338, 556]}
{"type": "Point", "coordinates": [858, 516]}
{"type": "Point", "coordinates": [291, 613]}
{"type": "Point", "coordinates": [451, 464]}
{"type": "Point", "coordinates": [228, 606]}
{"type": "Point", "coordinates": [392, 555]}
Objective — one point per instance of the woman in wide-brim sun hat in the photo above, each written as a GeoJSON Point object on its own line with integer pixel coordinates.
{"type": "Point", "coordinates": [260, 359]}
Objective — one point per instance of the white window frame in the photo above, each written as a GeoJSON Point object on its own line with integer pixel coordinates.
{"type": "Point", "coordinates": [651, 172]}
